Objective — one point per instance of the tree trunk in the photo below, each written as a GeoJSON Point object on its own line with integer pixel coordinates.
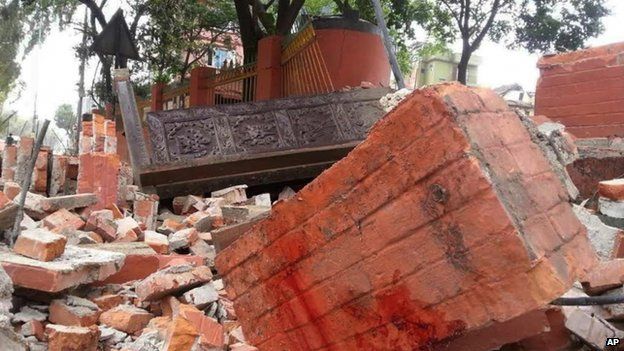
{"type": "Point", "coordinates": [462, 67]}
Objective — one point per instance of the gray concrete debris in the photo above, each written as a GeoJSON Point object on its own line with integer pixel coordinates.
{"type": "Point", "coordinates": [201, 296]}
{"type": "Point", "coordinates": [391, 100]}
{"type": "Point", "coordinates": [601, 236]}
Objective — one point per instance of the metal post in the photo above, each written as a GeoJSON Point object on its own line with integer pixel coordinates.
{"type": "Point", "coordinates": [28, 180]}
{"type": "Point", "coordinates": [381, 23]}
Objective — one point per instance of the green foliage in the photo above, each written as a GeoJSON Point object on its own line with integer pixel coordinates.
{"type": "Point", "coordinates": [65, 118]}
{"type": "Point", "coordinates": [183, 32]}
{"type": "Point", "coordinates": [10, 35]}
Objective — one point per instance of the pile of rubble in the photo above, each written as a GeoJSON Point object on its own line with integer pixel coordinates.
{"type": "Point", "coordinates": [80, 278]}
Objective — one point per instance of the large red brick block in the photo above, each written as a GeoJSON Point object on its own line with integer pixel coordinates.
{"type": "Point", "coordinates": [447, 218]}
{"type": "Point", "coordinates": [99, 174]}
{"type": "Point", "coordinates": [584, 90]}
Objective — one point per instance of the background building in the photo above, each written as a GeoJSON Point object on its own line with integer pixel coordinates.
{"type": "Point", "coordinates": [441, 68]}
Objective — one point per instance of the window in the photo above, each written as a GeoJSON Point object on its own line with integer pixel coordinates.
{"type": "Point", "coordinates": [221, 55]}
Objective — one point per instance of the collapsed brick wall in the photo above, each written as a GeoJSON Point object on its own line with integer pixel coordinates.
{"type": "Point", "coordinates": [584, 90]}
{"type": "Point", "coordinates": [445, 218]}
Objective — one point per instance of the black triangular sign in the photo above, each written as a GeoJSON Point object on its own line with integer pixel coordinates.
{"type": "Point", "coordinates": [115, 39]}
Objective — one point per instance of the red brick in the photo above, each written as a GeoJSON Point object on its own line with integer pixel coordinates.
{"type": "Point", "coordinates": [99, 174]}
{"type": "Point", "coordinates": [583, 89]}
{"type": "Point", "coordinates": [452, 228]}
{"type": "Point", "coordinates": [66, 338]}
{"type": "Point", "coordinates": [171, 280]}
{"type": "Point", "coordinates": [126, 318]}
{"type": "Point", "coordinates": [62, 219]}
{"type": "Point", "coordinates": [40, 244]}
{"type": "Point", "coordinates": [612, 189]}
{"type": "Point", "coordinates": [108, 301]}
{"type": "Point", "coordinates": [74, 311]}
{"type": "Point", "coordinates": [12, 189]}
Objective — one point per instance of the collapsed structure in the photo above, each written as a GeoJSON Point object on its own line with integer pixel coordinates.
{"type": "Point", "coordinates": [454, 224]}
{"type": "Point", "coordinates": [445, 219]}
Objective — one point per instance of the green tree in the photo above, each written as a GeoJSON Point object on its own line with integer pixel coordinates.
{"type": "Point", "coordinates": [181, 33]}
{"type": "Point", "coordinates": [10, 36]}
{"type": "Point", "coordinates": [65, 119]}
{"type": "Point", "coordinates": [537, 25]}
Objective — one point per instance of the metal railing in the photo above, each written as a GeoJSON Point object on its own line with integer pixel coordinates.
{"type": "Point", "coordinates": [233, 85]}
{"type": "Point", "coordinates": [304, 71]}
{"type": "Point", "coordinates": [176, 98]}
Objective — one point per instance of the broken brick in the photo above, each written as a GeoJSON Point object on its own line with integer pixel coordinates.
{"type": "Point", "coordinates": [605, 276]}
{"type": "Point", "coordinates": [158, 242]}
{"type": "Point", "coordinates": [170, 226]}
{"type": "Point", "coordinates": [40, 244]}
{"type": "Point", "coordinates": [33, 328]}
{"type": "Point", "coordinates": [102, 223]}
{"type": "Point", "coordinates": [12, 189]}
{"type": "Point", "coordinates": [74, 310]}
{"type": "Point", "coordinates": [75, 267]}
{"type": "Point", "coordinates": [172, 280]}
{"type": "Point", "coordinates": [127, 230]}
{"type": "Point", "coordinates": [612, 189]}
{"type": "Point", "coordinates": [108, 301]}
{"type": "Point", "coordinates": [62, 219]}
{"type": "Point", "coordinates": [126, 318]}
{"type": "Point", "coordinates": [72, 338]}
{"type": "Point", "coordinates": [182, 239]}
{"type": "Point", "coordinates": [232, 195]}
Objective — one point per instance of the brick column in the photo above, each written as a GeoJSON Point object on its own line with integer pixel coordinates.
{"type": "Point", "coordinates": [446, 218]}
{"type": "Point", "coordinates": [99, 162]}
{"type": "Point", "coordinates": [157, 96]}
{"type": "Point", "coordinates": [269, 68]}
{"type": "Point", "coordinates": [9, 162]}
{"type": "Point", "coordinates": [200, 88]}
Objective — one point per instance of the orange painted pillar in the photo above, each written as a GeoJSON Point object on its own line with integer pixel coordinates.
{"type": "Point", "coordinates": [269, 84]}
{"type": "Point", "coordinates": [200, 87]}
{"type": "Point", "coordinates": [157, 96]}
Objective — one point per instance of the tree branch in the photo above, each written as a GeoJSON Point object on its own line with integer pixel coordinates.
{"type": "Point", "coordinates": [477, 42]}
{"type": "Point", "coordinates": [96, 10]}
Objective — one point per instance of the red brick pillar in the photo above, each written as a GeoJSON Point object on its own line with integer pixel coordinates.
{"type": "Point", "coordinates": [157, 96]}
{"type": "Point", "coordinates": [200, 88]}
{"type": "Point", "coordinates": [269, 68]}
{"type": "Point", "coordinates": [9, 162]}
{"type": "Point", "coordinates": [99, 163]}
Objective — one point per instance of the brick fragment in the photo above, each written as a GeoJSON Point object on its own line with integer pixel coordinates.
{"type": "Point", "coordinates": [71, 338]}
{"type": "Point", "coordinates": [102, 222]}
{"type": "Point", "coordinates": [170, 226]}
{"type": "Point", "coordinates": [158, 242]}
{"type": "Point", "coordinates": [126, 318]}
{"type": "Point", "coordinates": [605, 276]}
{"type": "Point", "coordinates": [182, 239]}
{"type": "Point", "coordinates": [127, 230]}
{"type": "Point", "coordinates": [33, 328]}
{"type": "Point", "coordinates": [108, 301]}
{"type": "Point", "coordinates": [62, 219]}
{"type": "Point", "coordinates": [74, 310]}
{"type": "Point", "coordinates": [12, 189]}
{"type": "Point", "coordinates": [40, 244]}
{"type": "Point", "coordinates": [232, 195]}
{"type": "Point", "coordinates": [612, 189]}
{"type": "Point", "coordinates": [172, 280]}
